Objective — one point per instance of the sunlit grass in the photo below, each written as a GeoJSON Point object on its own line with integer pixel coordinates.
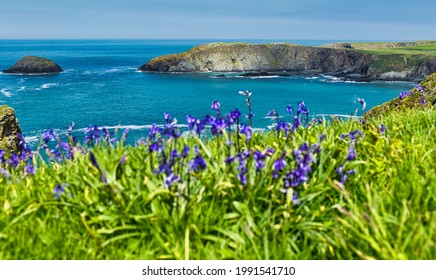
{"type": "Point", "coordinates": [386, 210]}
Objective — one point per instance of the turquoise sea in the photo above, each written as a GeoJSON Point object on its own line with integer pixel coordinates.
{"type": "Point", "coordinates": [101, 86]}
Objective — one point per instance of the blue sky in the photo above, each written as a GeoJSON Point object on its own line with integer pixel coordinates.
{"type": "Point", "coordinates": [219, 19]}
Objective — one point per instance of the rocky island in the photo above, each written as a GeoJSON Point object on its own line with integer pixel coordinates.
{"type": "Point", "coordinates": [34, 65]}
{"type": "Point", "coordinates": [405, 62]}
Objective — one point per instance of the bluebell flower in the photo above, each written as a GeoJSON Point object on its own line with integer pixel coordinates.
{"type": "Point", "coordinates": [167, 117]}
{"type": "Point", "coordinates": [185, 151]}
{"type": "Point", "coordinates": [259, 158]}
{"type": "Point", "coordinates": [4, 172]}
{"type": "Point", "coordinates": [272, 113]}
{"type": "Point", "coordinates": [59, 190]}
{"type": "Point", "coordinates": [404, 94]}
{"type": "Point", "coordinates": [14, 160]}
{"type": "Point", "coordinates": [170, 180]}
{"type": "Point", "coordinates": [289, 109]}
{"type": "Point", "coordinates": [382, 128]}
{"type": "Point", "coordinates": [197, 163]}
{"type": "Point", "coordinates": [246, 130]}
{"type": "Point", "coordinates": [296, 123]}
{"type": "Point", "coordinates": [216, 106]}
{"type": "Point", "coordinates": [2, 156]}
{"type": "Point", "coordinates": [302, 109]}
{"type": "Point", "coordinates": [153, 131]}
{"type": "Point", "coordinates": [279, 165]}
{"type": "Point", "coordinates": [351, 155]}
{"type": "Point", "coordinates": [49, 135]}
{"type": "Point", "coordinates": [29, 169]}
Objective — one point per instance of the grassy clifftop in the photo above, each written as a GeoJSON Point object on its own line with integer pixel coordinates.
{"type": "Point", "coordinates": [418, 98]}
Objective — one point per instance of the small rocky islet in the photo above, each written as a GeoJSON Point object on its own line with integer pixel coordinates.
{"type": "Point", "coordinates": [35, 65]}
{"type": "Point", "coordinates": [363, 62]}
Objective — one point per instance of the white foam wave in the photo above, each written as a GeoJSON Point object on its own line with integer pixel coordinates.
{"type": "Point", "coordinates": [5, 92]}
{"type": "Point", "coordinates": [31, 139]}
{"type": "Point", "coordinates": [21, 89]}
{"type": "Point", "coordinates": [47, 85]}
{"type": "Point", "coordinates": [120, 69]}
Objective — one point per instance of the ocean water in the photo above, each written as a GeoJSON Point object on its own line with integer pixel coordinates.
{"type": "Point", "coordinates": [101, 85]}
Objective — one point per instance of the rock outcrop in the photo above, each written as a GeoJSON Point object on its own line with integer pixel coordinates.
{"type": "Point", "coordinates": [241, 57]}
{"type": "Point", "coordinates": [10, 131]}
{"type": "Point", "coordinates": [421, 97]}
{"type": "Point", "coordinates": [283, 57]}
{"type": "Point", "coordinates": [34, 65]}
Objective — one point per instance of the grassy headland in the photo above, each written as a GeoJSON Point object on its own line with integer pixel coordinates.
{"type": "Point", "coordinates": [333, 190]}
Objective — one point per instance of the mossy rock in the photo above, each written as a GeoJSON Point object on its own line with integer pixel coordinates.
{"type": "Point", "coordinates": [10, 131]}
{"type": "Point", "coordinates": [34, 65]}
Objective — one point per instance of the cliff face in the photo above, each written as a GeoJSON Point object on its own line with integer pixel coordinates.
{"type": "Point", "coordinates": [34, 65]}
{"type": "Point", "coordinates": [238, 57]}
{"type": "Point", "coordinates": [241, 57]}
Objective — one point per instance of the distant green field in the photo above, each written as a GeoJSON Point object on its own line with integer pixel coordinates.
{"type": "Point", "coordinates": [421, 48]}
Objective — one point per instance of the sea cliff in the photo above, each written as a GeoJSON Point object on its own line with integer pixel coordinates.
{"type": "Point", "coordinates": [283, 57]}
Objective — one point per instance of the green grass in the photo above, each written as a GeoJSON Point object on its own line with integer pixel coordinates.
{"type": "Point", "coordinates": [387, 210]}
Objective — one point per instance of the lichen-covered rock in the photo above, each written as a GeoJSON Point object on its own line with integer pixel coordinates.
{"type": "Point", "coordinates": [34, 65]}
{"type": "Point", "coordinates": [10, 131]}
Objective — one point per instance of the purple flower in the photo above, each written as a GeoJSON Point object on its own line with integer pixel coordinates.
{"type": "Point", "coordinates": [289, 109]}
{"type": "Point", "coordinates": [170, 180]}
{"type": "Point", "coordinates": [340, 170]}
{"type": "Point", "coordinates": [272, 113]}
{"type": "Point", "coordinates": [153, 131]}
{"type": "Point", "coordinates": [242, 171]}
{"type": "Point", "coordinates": [404, 94]}
{"type": "Point", "coordinates": [217, 126]}
{"type": "Point", "coordinates": [29, 169]}
{"type": "Point", "coordinates": [216, 106]}
{"type": "Point", "coordinates": [154, 147]}
{"type": "Point", "coordinates": [302, 109]}
{"type": "Point", "coordinates": [2, 156]}
{"type": "Point", "coordinates": [259, 158]}
{"type": "Point", "coordinates": [420, 88]}
{"type": "Point", "coordinates": [382, 128]}
{"type": "Point", "coordinates": [185, 151]}
{"type": "Point", "coordinates": [235, 115]}
{"type": "Point", "coordinates": [167, 117]}
{"type": "Point", "coordinates": [279, 165]}
{"type": "Point", "coordinates": [14, 161]}
{"type": "Point", "coordinates": [59, 190]}
{"type": "Point", "coordinates": [49, 135]}
{"type": "Point", "coordinates": [246, 130]}
{"type": "Point", "coordinates": [4, 172]}
{"type": "Point", "coordinates": [351, 155]}
{"type": "Point", "coordinates": [322, 137]}
{"type": "Point", "coordinates": [296, 123]}
{"type": "Point", "coordinates": [197, 163]}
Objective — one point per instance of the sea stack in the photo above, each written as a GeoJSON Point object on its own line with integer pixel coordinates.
{"type": "Point", "coordinates": [34, 65]}
{"type": "Point", "coordinates": [10, 131]}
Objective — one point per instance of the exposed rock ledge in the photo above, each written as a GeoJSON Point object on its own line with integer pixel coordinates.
{"type": "Point", "coordinates": [34, 65]}
{"type": "Point", "coordinates": [243, 57]}
{"type": "Point", "coordinates": [10, 131]}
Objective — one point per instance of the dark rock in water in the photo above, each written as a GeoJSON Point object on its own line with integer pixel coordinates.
{"type": "Point", "coordinates": [256, 74]}
{"type": "Point", "coordinates": [34, 65]}
{"type": "Point", "coordinates": [10, 131]}
{"type": "Point", "coordinates": [220, 76]}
